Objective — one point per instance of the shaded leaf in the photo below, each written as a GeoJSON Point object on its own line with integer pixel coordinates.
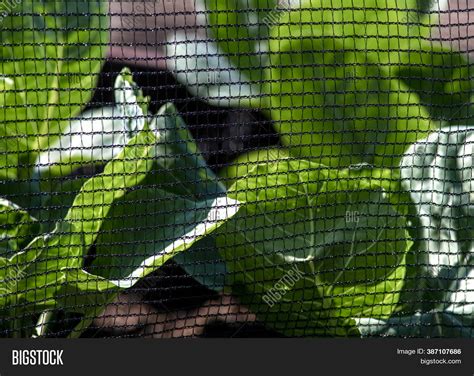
{"type": "Point", "coordinates": [301, 250]}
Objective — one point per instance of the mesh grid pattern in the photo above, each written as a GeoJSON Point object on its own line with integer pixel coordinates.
{"type": "Point", "coordinates": [236, 168]}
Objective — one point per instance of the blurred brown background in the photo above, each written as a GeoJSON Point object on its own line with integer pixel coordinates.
{"type": "Point", "coordinates": [139, 28]}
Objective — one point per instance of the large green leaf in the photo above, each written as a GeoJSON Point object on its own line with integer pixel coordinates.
{"type": "Point", "coordinates": [50, 57]}
{"type": "Point", "coordinates": [338, 107]}
{"type": "Point", "coordinates": [179, 196]}
{"type": "Point", "coordinates": [97, 135]}
{"type": "Point", "coordinates": [384, 27]}
{"type": "Point", "coordinates": [302, 250]}
{"type": "Point", "coordinates": [333, 92]}
{"type": "Point", "coordinates": [230, 71]}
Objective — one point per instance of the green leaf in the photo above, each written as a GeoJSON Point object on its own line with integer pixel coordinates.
{"type": "Point", "coordinates": [338, 78]}
{"type": "Point", "coordinates": [437, 173]}
{"type": "Point", "coordinates": [17, 228]}
{"type": "Point", "coordinates": [99, 135]}
{"type": "Point", "coordinates": [442, 78]}
{"type": "Point", "coordinates": [301, 251]}
{"type": "Point", "coordinates": [42, 262]}
{"type": "Point", "coordinates": [335, 104]}
{"type": "Point", "coordinates": [241, 29]}
{"type": "Point", "coordinates": [50, 57]}
{"type": "Point", "coordinates": [179, 203]}
{"type": "Point", "coordinates": [89, 142]}
{"type": "Point", "coordinates": [130, 102]}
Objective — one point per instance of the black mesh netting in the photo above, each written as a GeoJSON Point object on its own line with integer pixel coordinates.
{"type": "Point", "coordinates": [236, 168]}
